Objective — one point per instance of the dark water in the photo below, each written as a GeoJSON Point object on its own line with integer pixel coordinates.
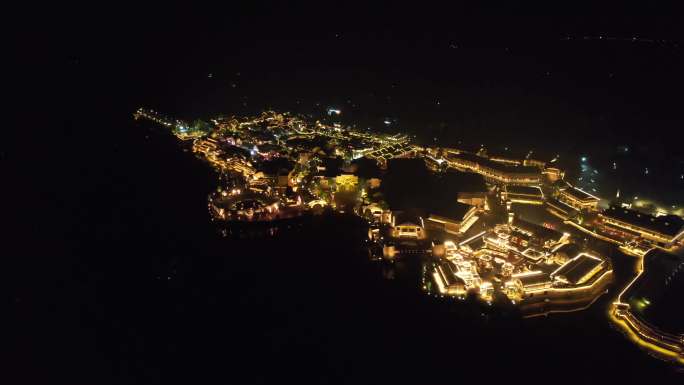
{"type": "Point", "coordinates": [120, 278]}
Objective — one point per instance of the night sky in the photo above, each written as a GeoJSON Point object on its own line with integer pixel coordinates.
{"type": "Point", "coordinates": [97, 212]}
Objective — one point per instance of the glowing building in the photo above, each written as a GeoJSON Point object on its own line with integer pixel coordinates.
{"type": "Point", "coordinates": [663, 230]}
{"type": "Point", "coordinates": [455, 219]}
{"type": "Point", "coordinates": [407, 225]}
{"type": "Point", "coordinates": [494, 171]}
{"type": "Point", "coordinates": [447, 280]}
{"type": "Point", "coordinates": [523, 194]}
{"type": "Point", "coordinates": [578, 270]}
{"type": "Point", "coordinates": [577, 198]}
{"type": "Point", "coordinates": [529, 281]}
{"type": "Point", "coordinates": [581, 279]}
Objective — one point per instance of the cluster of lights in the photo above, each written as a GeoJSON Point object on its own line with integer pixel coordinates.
{"type": "Point", "coordinates": [382, 147]}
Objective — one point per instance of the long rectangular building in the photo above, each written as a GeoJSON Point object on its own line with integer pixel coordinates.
{"type": "Point", "coordinates": [456, 218]}
{"type": "Point", "coordinates": [495, 171]}
{"type": "Point", "coordinates": [665, 230]}
{"type": "Point", "coordinates": [577, 198]}
{"type": "Point", "coordinates": [579, 269]}
{"type": "Point", "coordinates": [523, 194]}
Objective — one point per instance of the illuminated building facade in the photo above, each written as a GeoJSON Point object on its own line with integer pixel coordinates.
{"type": "Point", "coordinates": [521, 284]}
{"type": "Point", "coordinates": [447, 280]}
{"type": "Point", "coordinates": [455, 219]}
{"type": "Point", "coordinates": [577, 198]}
{"type": "Point", "coordinates": [407, 226]}
{"type": "Point", "coordinates": [579, 280]}
{"type": "Point", "coordinates": [224, 160]}
{"type": "Point", "coordinates": [494, 171]}
{"type": "Point", "coordinates": [477, 199]}
{"type": "Point", "coordinates": [664, 230]}
{"type": "Point", "coordinates": [535, 235]}
{"type": "Point", "coordinates": [522, 194]}
{"type": "Point", "coordinates": [560, 209]}
{"type": "Point", "coordinates": [553, 174]}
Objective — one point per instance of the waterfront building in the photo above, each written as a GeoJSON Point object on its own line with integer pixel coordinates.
{"type": "Point", "coordinates": [577, 198]}
{"type": "Point", "coordinates": [664, 231]}
{"type": "Point", "coordinates": [407, 225]}
{"type": "Point", "coordinates": [494, 171]}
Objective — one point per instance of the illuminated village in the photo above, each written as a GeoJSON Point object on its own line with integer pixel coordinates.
{"type": "Point", "coordinates": [486, 224]}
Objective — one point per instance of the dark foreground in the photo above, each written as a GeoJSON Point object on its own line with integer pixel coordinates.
{"type": "Point", "coordinates": [131, 284]}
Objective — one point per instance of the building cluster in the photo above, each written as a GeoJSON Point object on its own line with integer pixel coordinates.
{"type": "Point", "coordinates": [441, 203]}
{"type": "Point", "coordinates": [321, 151]}
{"type": "Point", "coordinates": [275, 166]}
{"type": "Point", "coordinates": [529, 181]}
{"type": "Point", "coordinates": [526, 262]}
{"type": "Point", "coordinates": [225, 158]}
{"type": "Point", "coordinates": [397, 148]}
